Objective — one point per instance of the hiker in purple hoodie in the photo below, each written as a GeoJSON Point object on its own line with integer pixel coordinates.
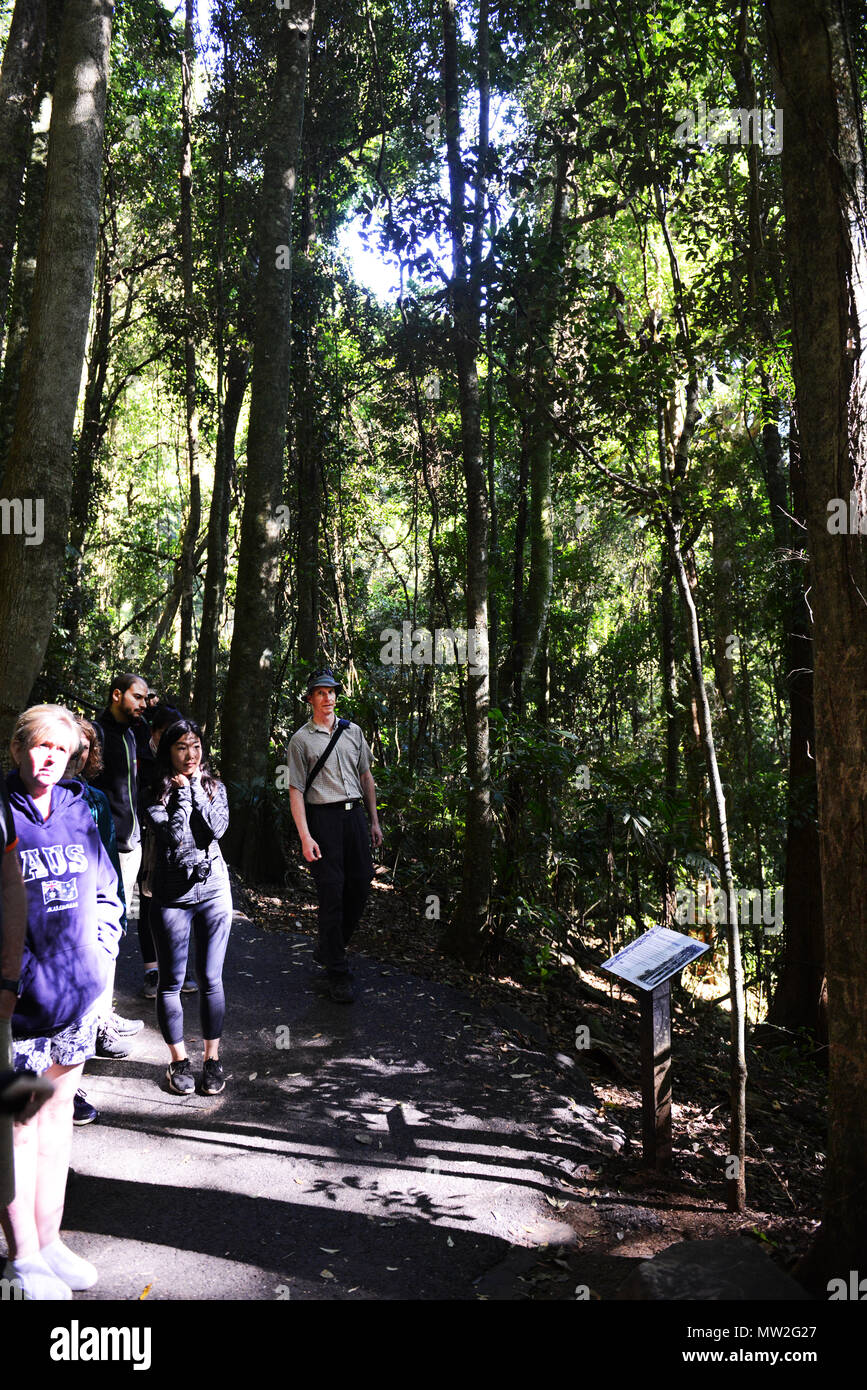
{"type": "Point", "coordinates": [73, 929]}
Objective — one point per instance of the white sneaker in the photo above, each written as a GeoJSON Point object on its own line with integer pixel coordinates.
{"type": "Point", "coordinates": [66, 1265]}
{"type": "Point", "coordinates": [38, 1281]}
{"type": "Point", "coordinates": [125, 1027]}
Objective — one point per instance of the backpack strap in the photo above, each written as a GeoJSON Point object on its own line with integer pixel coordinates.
{"type": "Point", "coordinates": [311, 776]}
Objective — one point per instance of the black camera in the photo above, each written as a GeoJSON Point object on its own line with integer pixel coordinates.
{"type": "Point", "coordinates": [202, 871]}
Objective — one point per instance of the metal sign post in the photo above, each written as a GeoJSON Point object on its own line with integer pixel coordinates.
{"type": "Point", "coordinates": [648, 964]}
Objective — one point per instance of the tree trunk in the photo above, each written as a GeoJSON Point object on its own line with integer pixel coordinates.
{"type": "Point", "coordinates": [22, 289]}
{"type": "Point", "coordinates": [823, 176]}
{"type": "Point", "coordinates": [799, 1001]}
{"type": "Point", "coordinates": [40, 462]}
{"type": "Point", "coordinates": [28, 238]}
{"type": "Point", "coordinates": [194, 517]}
{"type": "Point", "coordinates": [246, 704]}
{"type": "Point", "coordinates": [511, 682]}
{"type": "Point", "coordinates": [89, 439]}
{"type": "Point", "coordinates": [667, 877]}
{"type": "Point", "coordinates": [530, 608]}
{"type": "Point", "coordinates": [541, 519]}
{"type": "Point", "coordinates": [736, 1185]}
{"type": "Point", "coordinates": [307, 443]}
{"type": "Point", "coordinates": [467, 929]}
{"type": "Point", "coordinates": [307, 567]}
{"type": "Point", "coordinates": [205, 693]}
{"type": "Point", "coordinates": [21, 60]}
{"type": "Point", "coordinates": [233, 369]}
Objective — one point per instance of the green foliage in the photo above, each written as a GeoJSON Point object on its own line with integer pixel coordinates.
{"type": "Point", "coordinates": [655, 281]}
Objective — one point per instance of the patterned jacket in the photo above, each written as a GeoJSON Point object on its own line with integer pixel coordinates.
{"type": "Point", "coordinates": [187, 827]}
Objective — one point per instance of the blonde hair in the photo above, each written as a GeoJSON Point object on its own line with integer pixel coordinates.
{"type": "Point", "coordinates": [35, 722]}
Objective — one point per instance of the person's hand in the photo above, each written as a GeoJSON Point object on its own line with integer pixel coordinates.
{"type": "Point", "coordinates": [310, 849]}
{"type": "Point", "coordinates": [24, 1095]}
{"type": "Point", "coordinates": [179, 780]}
{"type": "Point", "coordinates": [375, 834]}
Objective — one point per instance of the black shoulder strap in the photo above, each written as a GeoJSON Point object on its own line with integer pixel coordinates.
{"type": "Point", "coordinates": [311, 776]}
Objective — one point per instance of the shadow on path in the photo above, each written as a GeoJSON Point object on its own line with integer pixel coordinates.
{"type": "Point", "coordinates": [398, 1148]}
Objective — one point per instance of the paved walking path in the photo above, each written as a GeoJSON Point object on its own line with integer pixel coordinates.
{"type": "Point", "coordinates": [397, 1148]}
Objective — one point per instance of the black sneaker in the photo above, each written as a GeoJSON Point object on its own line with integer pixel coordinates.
{"type": "Point", "coordinates": [108, 1044]}
{"type": "Point", "coordinates": [83, 1113]}
{"type": "Point", "coordinates": [180, 1077]}
{"type": "Point", "coordinates": [189, 986]}
{"type": "Point", "coordinates": [151, 981]}
{"type": "Point", "coordinates": [340, 989]}
{"type": "Point", "coordinates": [213, 1079]}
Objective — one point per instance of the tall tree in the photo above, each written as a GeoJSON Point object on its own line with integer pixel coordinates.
{"type": "Point", "coordinates": [466, 931]}
{"type": "Point", "coordinates": [40, 461]}
{"type": "Point", "coordinates": [825, 199]}
{"type": "Point", "coordinates": [21, 59]}
{"type": "Point", "coordinates": [800, 998]}
{"type": "Point", "coordinates": [233, 369]}
{"type": "Point", "coordinates": [191, 411]}
{"type": "Point", "coordinates": [246, 719]}
{"type": "Point", "coordinates": [539, 302]}
{"type": "Point", "coordinates": [26, 237]}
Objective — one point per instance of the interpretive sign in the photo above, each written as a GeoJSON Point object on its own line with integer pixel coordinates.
{"type": "Point", "coordinates": [655, 957]}
{"type": "Point", "coordinates": [648, 965]}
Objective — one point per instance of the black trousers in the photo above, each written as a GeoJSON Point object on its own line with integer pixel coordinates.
{"type": "Point", "coordinates": [145, 935]}
{"type": "Point", "coordinates": [342, 877]}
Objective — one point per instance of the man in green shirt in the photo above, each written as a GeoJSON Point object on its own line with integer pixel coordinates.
{"type": "Point", "coordinates": [330, 820]}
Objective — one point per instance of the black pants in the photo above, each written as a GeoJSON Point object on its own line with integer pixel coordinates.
{"type": "Point", "coordinates": [342, 877]}
{"type": "Point", "coordinates": [146, 907]}
{"type": "Point", "coordinates": [209, 922]}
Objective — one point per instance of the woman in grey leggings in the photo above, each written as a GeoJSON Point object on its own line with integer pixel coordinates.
{"type": "Point", "coordinates": [191, 895]}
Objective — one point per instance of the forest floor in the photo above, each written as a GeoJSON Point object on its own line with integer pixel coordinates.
{"type": "Point", "coordinates": [621, 1212]}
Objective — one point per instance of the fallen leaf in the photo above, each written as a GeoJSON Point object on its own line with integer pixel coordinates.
{"type": "Point", "coordinates": [253, 1075]}
{"type": "Point", "coordinates": [145, 1291]}
{"type": "Point", "coordinates": [325, 1274]}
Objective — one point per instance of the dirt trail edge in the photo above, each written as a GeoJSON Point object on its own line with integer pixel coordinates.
{"type": "Point", "coordinates": [403, 1147]}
